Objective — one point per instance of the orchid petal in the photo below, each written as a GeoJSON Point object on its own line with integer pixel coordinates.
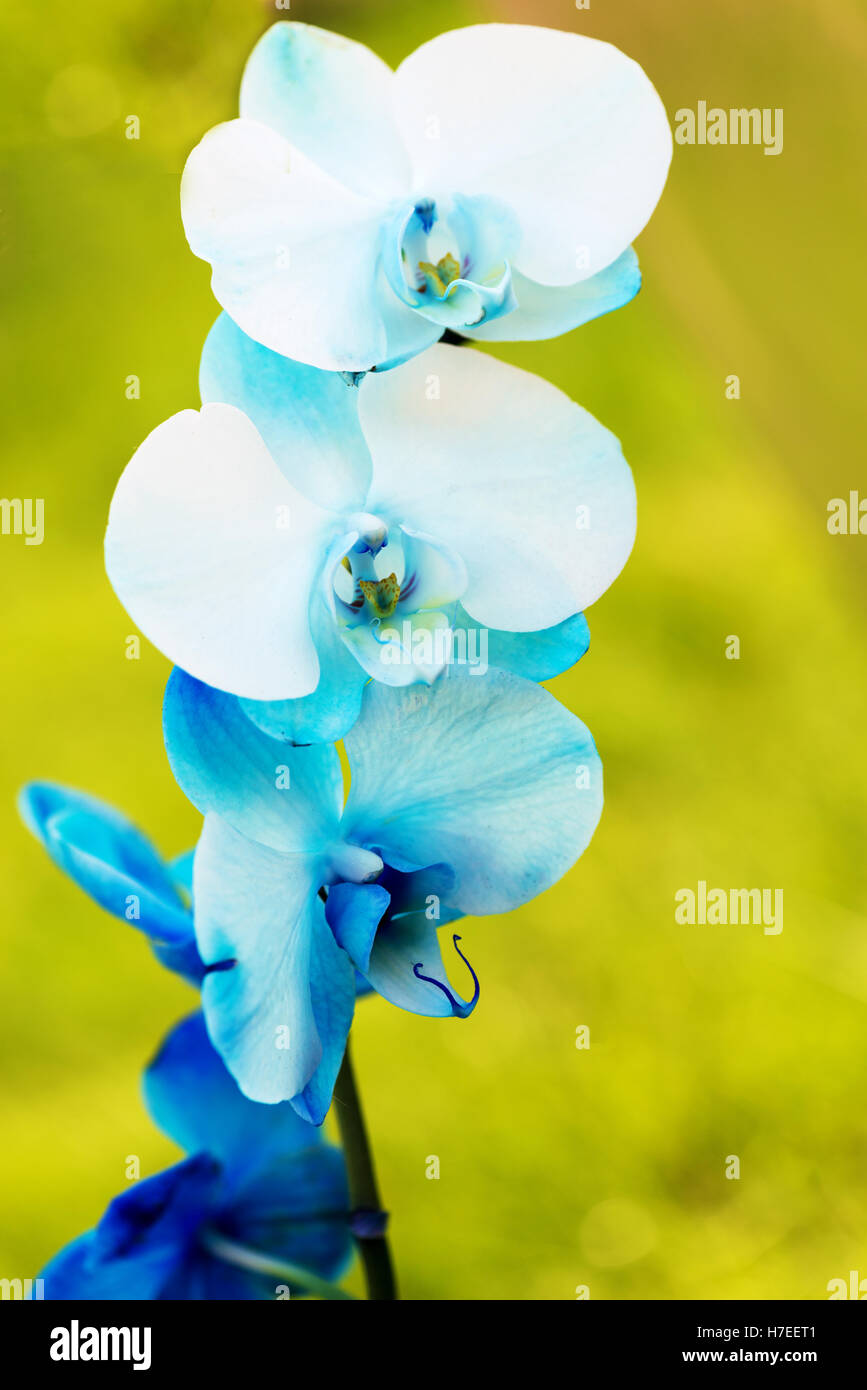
{"type": "Point", "coordinates": [294, 253]}
{"type": "Point", "coordinates": [285, 797]}
{"type": "Point", "coordinates": [308, 418]}
{"type": "Point", "coordinates": [530, 490]}
{"type": "Point", "coordinates": [108, 857]}
{"type": "Point", "coordinates": [545, 311]}
{"type": "Point", "coordinates": [332, 98]}
{"type": "Point", "coordinates": [566, 130]}
{"type": "Point", "coordinates": [490, 775]}
{"type": "Point", "coordinates": [255, 910]}
{"type": "Point", "coordinates": [214, 554]}
{"type": "Point", "coordinates": [539, 656]}
{"type": "Point", "coordinates": [195, 1101]}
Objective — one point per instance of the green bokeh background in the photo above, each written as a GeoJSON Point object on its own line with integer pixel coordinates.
{"type": "Point", "coordinates": [559, 1167]}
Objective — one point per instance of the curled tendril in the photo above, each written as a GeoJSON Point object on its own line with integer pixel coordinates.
{"type": "Point", "coordinates": [459, 1009]}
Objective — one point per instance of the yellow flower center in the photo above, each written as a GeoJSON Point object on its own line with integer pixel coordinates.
{"type": "Point", "coordinates": [381, 594]}
{"type": "Point", "coordinates": [441, 275]}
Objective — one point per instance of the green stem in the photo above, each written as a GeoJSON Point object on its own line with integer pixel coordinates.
{"type": "Point", "coordinates": [258, 1263]}
{"type": "Point", "coordinates": [363, 1188]}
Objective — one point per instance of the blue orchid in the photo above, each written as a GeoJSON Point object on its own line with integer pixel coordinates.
{"type": "Point", "coordinates": [117, 866]}
{"type": "Point", "coordinates": [299, 535]}
{"type": "Point", "coordinates": [261, 1201]}
{"type": "Point", "coordinates": [491, 185]}
{"type": "Point", "coordinates": [468, 796]}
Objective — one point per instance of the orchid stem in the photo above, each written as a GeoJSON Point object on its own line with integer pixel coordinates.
{"type": "Point", "coordinates": [363, 1188]}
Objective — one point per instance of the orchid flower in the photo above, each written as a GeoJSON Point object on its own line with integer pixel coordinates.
{"type": "Point", "coordinates": [116, 865]}
{"type": "Point", "coordinates": [298, 535]}
{"type": "Point", "coordinates": [492, 186]}
{"type": "Point", "coordinates": [467, 796]}
{"type": "Point", "coordinates": [260, 1199]}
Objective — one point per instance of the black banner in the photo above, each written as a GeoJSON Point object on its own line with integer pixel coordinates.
{"type": "Point", "coordinates": [82, 1339]}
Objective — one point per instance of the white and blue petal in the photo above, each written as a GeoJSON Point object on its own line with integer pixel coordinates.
{"type": "Point", "coordinates": [530, 490]}
{"type": "Point", "coordinates": [465, 304]}
{"type": "Point", "coordinates": [308, 418]}
{"type": "Point", "coordinates": [353, 912]}
{"type": "Point", "coordinates": [406, 968]}
{"type": "Point", "coordinates": [402, 649]}
{"type": "Point", "coordinates": [433, 574]}
{"type": "Point", "coordinates": [214, 554]}
{"type": "Point", "coordinates": [294, 253]}
{"type": "Point", "coordinates": [487, 774]}
{"type": "Point", "coordinates": [332, 99]}
{"type": "Point", "coordinates": [545, 311]}
{"type": "Point", "coordinates": [391, 933]}
{"type": "Point", "coordinates": [407, 332]}
{"type": "Point", "coordinates": [332, 709]}
{"type": "Point", "coordinates": [333, 989]}
{"type": "Point", "coordinates": [538, 656]}
{"type": "Point", "coordinates": [278, 994]}
{"type": "Point", "coordinates": [566, 130]}
{"type": "Point", "coordinates": [283, 796]}
{"type": "Point", "coordinates": [256, 910]}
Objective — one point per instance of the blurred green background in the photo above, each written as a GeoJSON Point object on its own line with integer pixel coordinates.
{"type": "Point", "coordinates": [559, 1167]}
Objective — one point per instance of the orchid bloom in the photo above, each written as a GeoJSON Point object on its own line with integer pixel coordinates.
{"type": "Point", "coordinates": [492, 185]}
{"type": "Point", "coordinates": [101, 850]}
{"type": "Point", "coordinates": [470, 796]}
{"type": "Point", "coordinates": [299, 535]}
{"type": "Point", "coordinates": [258, 1182]}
